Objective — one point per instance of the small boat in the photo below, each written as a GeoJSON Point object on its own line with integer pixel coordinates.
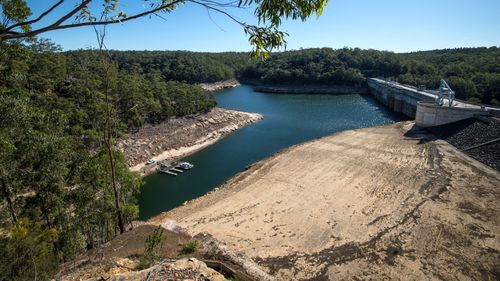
{"type": "Point", "coordinates": [150, 161]}
{"type": "Point", "coordinates": [184, 165]}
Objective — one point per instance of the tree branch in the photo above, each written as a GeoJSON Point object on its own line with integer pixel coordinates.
{"type": "Point", "coordinates": [34, 20]}
{"type": "Point", "coordinates": [57, 25]}
{"type": "Point", "coordinates": [218, 10]}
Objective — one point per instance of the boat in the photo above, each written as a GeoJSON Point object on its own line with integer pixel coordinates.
{"type": "Point", "coordinates": [184, 165]}
{"type": "Point", "coordinates": [150, 161]}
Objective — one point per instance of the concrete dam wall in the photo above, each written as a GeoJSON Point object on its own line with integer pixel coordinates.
{"type": "Point", "coordinates": [430, 114]}
{"type": "Point", "coordinates": [397, 97]}
{"type": "Point", "coordinates": [420, 105]}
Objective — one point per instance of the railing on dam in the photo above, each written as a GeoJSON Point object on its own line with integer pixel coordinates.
{"type": "Point", "coordinates": [421, 104]}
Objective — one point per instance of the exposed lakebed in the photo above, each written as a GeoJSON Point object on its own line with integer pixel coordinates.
{"type": "Point", "coordinates": [288, 120]}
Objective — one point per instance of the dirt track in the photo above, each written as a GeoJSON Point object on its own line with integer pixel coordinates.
{"type": "Point", "coordinates": [369, 203]}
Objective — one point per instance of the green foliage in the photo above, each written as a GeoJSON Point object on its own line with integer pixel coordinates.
{"type": "Point", "coordinates": [152, 248]}
{"type": "Point", "coordinates": [54, 157]}
{"type": "Point", "coordinates": [143, 88]}
{"type": "Point", "coordinates": [180, 66]}
{"type": "Point", "coordinates": [153, 241]}
{"type": "Point", "coordinates": [54, 172]}
{"type": "Point", "coordinates": [270, 13]}
{"type": "Point", "coordinates": [473, 73]}
{"type": "Point", "coordinates": [190, 247]}
{"type": "Point", "coordinates": [14, 11]}
{"type": "Point", "coordinates": [323, 66]}
{"type": "Point", "coordinates": [264, 40]}
{"type": "Point", "coordinates": [28, 252]}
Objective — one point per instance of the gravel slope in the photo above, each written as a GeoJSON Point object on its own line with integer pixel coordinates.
{"type": "Point", "coordinates": [471, 132]}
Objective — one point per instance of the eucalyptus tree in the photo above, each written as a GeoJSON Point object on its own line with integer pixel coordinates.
{"type": "Point", "coordinates": [18, 22]}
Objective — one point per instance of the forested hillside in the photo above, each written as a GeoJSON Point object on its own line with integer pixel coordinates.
{"type": "Point", "coordinates": [324, 66]}
{"type": "Point", "coordinates": [64, 188]}
{"type": "Point", "coordinates": [190, 67]}
{"type": "Point", "coordinates": [473, 73]}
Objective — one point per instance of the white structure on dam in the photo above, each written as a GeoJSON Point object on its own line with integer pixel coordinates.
{"type": "Point", "coordinates": [421, 104]}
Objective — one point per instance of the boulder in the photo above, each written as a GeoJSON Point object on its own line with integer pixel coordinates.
{"type": "Point", "coordinates": [183, 269]}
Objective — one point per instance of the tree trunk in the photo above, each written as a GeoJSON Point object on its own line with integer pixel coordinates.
{"type": "Point", "coordinates": [108, 138]}
{"type": "Point", "coordinates": [45, 213]}
{"type": "Point", "coordinates": [6, 193]}
{"type": "Point", "coordinates": [115, 188]}
{"type": "Point", "coordinates": [108, 134]}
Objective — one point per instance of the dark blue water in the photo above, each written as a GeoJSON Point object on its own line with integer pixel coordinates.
{"type": "Point", "coordinates": [288, 120]}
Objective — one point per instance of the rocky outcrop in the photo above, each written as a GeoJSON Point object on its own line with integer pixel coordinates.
{"type": "Point", "coordinates": [220, 85]}
{"type": "Point", "coordinates": [183, 269]}
{"type": "Point", "coordinates": [223, 254]}
{"type": "Point", "coordinates": [179, 137]}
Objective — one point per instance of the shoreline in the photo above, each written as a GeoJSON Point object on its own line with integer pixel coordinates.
{"type": "Point", "coordinates": [177, 138]}
{"type": "Point", "coordinates": [385, 189]}
{"type": "Point", "coordinates": [313, 89]}
{"type": "Point", "coordinates": [219, 85]}
{"type": "Point", "coordinates": [306, 88]}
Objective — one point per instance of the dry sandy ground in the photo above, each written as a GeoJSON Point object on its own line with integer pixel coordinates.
{"type": "Point", "coordinates": [375, 203]}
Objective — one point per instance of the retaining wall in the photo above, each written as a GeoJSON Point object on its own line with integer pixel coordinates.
{"type": "Point", "coordinates": [429, 114]}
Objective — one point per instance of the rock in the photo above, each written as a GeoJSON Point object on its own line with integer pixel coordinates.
{"type": "Point", "coordinates": [212, 247]}
{"type": "Point", "coordinates": [183, 269]}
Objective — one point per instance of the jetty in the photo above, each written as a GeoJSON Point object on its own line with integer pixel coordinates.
{"type": "Point", "coordinates": [174, 168]}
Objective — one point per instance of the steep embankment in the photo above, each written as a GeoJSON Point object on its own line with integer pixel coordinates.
{"type": "Point", "coordinates": [382, 203]}
{"type": "Point", "coordinates": [179, 137]}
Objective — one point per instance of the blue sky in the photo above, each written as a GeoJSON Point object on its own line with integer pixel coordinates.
{"type": "Point", "coordinates": [395, 25]}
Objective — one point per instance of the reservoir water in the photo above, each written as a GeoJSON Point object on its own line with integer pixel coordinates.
{"type": "Point", "coordinates": [288, 120]}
